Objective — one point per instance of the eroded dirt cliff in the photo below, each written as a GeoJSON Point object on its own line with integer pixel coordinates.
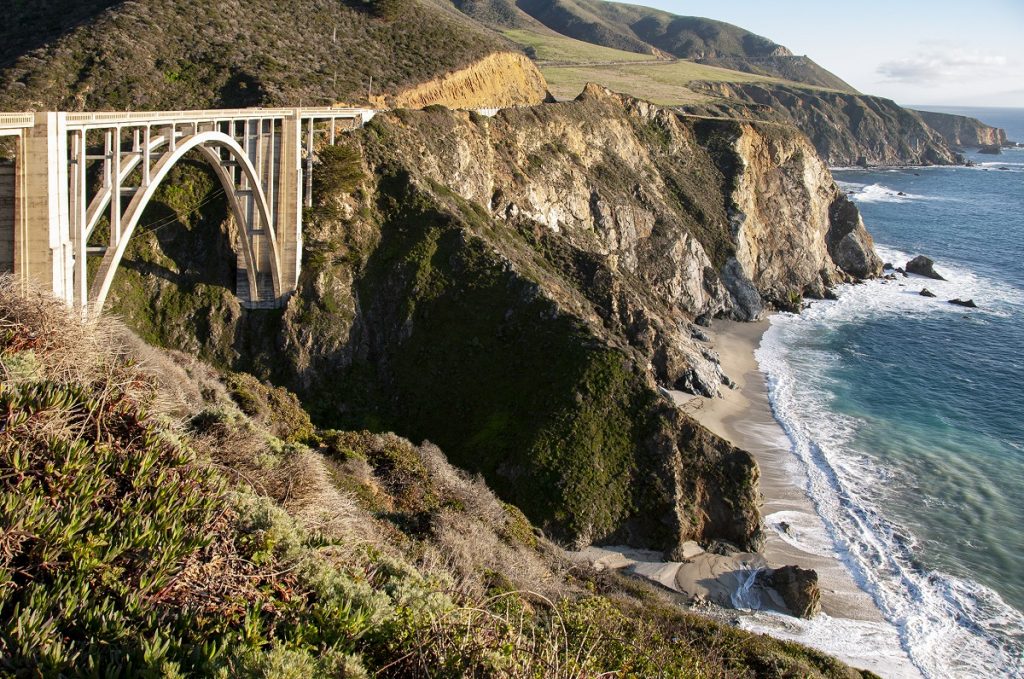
{"type": "Point", "coordinates": [498, 80]}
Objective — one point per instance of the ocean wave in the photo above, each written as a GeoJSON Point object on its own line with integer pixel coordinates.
{"type": "Point", "coordinates": [949, 626]}
{"type": "Point", "coordinates": [878, 193]}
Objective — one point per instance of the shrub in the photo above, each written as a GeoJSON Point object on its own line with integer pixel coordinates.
{"type": "Point", "coordinates": [339, 170]}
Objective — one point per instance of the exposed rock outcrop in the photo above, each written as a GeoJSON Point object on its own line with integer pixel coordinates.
{"type": "Point", "coordinates": [846, 129]}
{"type": "Point", "coordinates": [497, 81]}
{"type": "Point", "coordinates": [798, 588]}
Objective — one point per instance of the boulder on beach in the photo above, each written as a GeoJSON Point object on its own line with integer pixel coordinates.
{"type": "Point", "coordinates": [798, 588]}
{"type": "Point", "coordinates": [925, 292]}
{"type": "Point", "coordinates": [923, 266]}
{"type": "Point", "coordinates": [969, 303]}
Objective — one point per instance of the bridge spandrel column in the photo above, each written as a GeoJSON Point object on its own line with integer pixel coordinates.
{"type": "Point", "coordinates": [43, 248]}
{"type": "Point", "coordinates": [8, 211]}
{"type": "Point", "coordinates": [288, 200]}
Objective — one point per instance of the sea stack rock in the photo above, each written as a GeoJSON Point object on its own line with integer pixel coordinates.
{"type": "Point", "coordinates": [925, 292]}
{"type": "Point", "coordinates": [991, 149]}
{"type": "Point", "coordinates": [798, 588]}
{"type": "Point", "coordinates": [923, 266]}
{"type": "Point", "coordinates": [969, 303]}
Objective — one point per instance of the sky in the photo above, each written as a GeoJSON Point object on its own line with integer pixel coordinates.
{"type": "Point", "coordinates": [943, 52]}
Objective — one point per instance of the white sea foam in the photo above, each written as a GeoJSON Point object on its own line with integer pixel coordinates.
{"type": "Point", "coordinates": [992, 295]}
{"type": "Point", "coordinates": [800, 530]}
{"type": "Point", "coordinates": [878, 193]}
{"type": "Point", "coordinates": [949, 627]}
{"type": "Point", "coordinates": [863, 644]}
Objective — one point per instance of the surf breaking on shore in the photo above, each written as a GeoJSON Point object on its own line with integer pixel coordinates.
{"type": "Point", "coordinates": [949, 626]}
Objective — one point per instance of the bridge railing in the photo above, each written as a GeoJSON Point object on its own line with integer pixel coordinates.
{"type": "Point", "coordinates": [16, 121]}
{"type": "Point", "coordinates": [107, 118]}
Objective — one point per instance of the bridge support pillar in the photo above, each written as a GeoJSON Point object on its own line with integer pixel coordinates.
{"type": "Point", "coordinates": [288, 208]}
{"type": "Point", "coordinates": [43, 252]}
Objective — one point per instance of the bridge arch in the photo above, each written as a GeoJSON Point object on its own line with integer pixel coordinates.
{"type": "Point", "coordinates": [210, 144]}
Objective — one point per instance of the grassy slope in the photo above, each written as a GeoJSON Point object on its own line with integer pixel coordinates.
{"type": "Point", "coordinates": [181, 54]}
{"type": "Point", "coordinates": [243, 542]}
{"type": "Point", "coordinates": [552, 47]}
{"type": "Point", "coordinates": [569, 64]}
{"type": "Point", "coordinates": [645, 30]}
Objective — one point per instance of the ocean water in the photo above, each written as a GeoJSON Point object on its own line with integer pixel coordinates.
{"type": "Point", "coordinates": [906, 413]}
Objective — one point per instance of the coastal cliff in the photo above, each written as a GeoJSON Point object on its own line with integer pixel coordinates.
{"type": "Point", "coordinates": [515, 288]}
{"type": "Point", "coordinates": [846, 129]}
{"type": "Point", "coordinates": [963, 131]}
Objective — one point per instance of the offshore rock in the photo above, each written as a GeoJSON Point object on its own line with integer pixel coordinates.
{"type": "Point", "coordinates": [969, 303]}
{"type": "Point", "coordinates": [925, 292]}
{"type": "Point", "coordinates": [849, 243]}
{"type": "Point", "coordinates": [923, 266]}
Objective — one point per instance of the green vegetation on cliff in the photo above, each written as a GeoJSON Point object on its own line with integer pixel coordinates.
{"type": "Point", "coordinates": [152, 528]}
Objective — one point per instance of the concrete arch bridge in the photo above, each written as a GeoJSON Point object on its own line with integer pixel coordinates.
{"type": "Point", "coordinates": [73, 169]}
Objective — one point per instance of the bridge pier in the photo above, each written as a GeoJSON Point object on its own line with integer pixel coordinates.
{"type": "Point", "coordinates": [43, 251]}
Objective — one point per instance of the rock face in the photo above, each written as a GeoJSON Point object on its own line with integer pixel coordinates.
{"type": "Point", "coordinates": [962, 130]}
{"type": "Point", "coordinates": [496, 81]}
{"type": "Point", "coordinates": [846, 128]}
{"type": "Point", "coordinates": [798, 588]}
{"type": "Point", "coordinates": [923, 266]}
{"type": "Point", "coordinates": [516, 288]}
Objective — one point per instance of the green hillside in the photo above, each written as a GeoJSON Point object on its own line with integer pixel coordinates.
{"type": "Point", "coordinates": [569, 64]}
{"type": "Point", "coordinates": [652, 33]}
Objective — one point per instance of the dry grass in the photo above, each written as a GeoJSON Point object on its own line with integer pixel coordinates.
{"type": "Point", "coordinates": [661, 83]}
{"type": "Point", "coordinates": [66, 349]}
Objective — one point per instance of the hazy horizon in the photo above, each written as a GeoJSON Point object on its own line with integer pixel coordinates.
{"type": "Point", "coordinates": [915, 52]}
